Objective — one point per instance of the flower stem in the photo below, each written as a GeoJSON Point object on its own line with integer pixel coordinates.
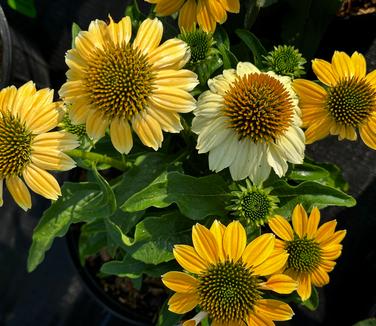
{"type": "Point", "coordinates": [99, 158]}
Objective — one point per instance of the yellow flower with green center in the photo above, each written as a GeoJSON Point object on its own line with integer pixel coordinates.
{"type": "Point", "coordinates": [28, 147]}
{"type": "Point", "coordinates": [114, 82]}
{"type": "Point", "coordinates": [207, 13]}
{"type": "Point", "coordinates": [312, 249]}
{"type": "Point", "coordinates": [228, 278]}
{"type": "Point", "coordinates": [249, 121]}
{"type": "Point", "coordinates": [346, 102]}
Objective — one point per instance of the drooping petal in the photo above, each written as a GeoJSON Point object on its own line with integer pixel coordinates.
{"type": "Point", "coordinates": [19, 192]}
{"type": "Point", "coordinates": [168, 7]}
{"type": "Point", "coordinates": [234, 241]}
{"type": "Point", "coordinates": [96, 124]}
{"type": "Point", "coordinates": [204, 19]}
{"type": "Point", "coordinates": [189, 259]}
{"type": "Point", "coordinates": [280, 283]}
{"type": "Point", "coordinates": [180, 303]}
{"type": "Point", "coordinates": [187, 16]}
{"type": "Point", "coordinates": [41, 182]}
{"type": "Point", "coordinates": [281, 228]}
{"type": "Point", "coordinates": [258, 319]}
{"type": "Point", "coordinates": [274, 309]}
{"type": "Point", "coordinates": [148, 130]}
{"type": "Point", "coordinates": [180, 282]}
{"type": "Point", "coordinates": [319, 277]}
{"type": "Point", "coordinates": [259, 250]}
{"type": "Point", "coordinates": [121, 135]}
{"type": "Point", "coordinates": [304, 286]}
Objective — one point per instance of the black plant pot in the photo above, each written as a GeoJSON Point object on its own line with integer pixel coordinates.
{"type": "Point", "coordinates": [124, 314]}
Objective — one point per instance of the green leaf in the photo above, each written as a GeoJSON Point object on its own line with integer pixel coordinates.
{"type": "Point", "coordinates": [366, 322]}
{"type": "Point", "coordinates": [75, 30]}
{"type": "Point", "coordinates": [25, 7]}
{"type": "Point", "coordinates": [166, 317]}
{"type": "Point", "coordinates": [313, 302]}
{"type": "Point", "coordinates": [132, 268]}
{"type": "Point", "coordinates": [309, 194]}
{"type": "Point", "coordinates": [229, 59]}
{"type": "Point", "coordinates": [307, 172]}
{"type": "Point", "coordinates": [221, 37]}
{"type": "Point", "coordinates": [254, 44]}
{"type": "Point", "coordinates": [135, 14]}
{"type": "Point", "coordinates": [93, 238]}
{"type": "Point", "coordinates": [55, 221]}
{"type": "Point", "coordinates": [156, 236]}
{"type": "Point", "coordinates": [195, 197]}
{"type": "Point", "coordinates": [205, 68]}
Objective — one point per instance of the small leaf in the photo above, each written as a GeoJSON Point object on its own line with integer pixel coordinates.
{"type": "Point", "coordinates": [75, 30]}
{"type": "Point", "coordinates": [25, 7]}
{"type": "Point", "coordinates": [195, 197]}
{"type": "Point", "coordinates": [313, 302]}
{"type": "Point", "coordinates": [254, 44]}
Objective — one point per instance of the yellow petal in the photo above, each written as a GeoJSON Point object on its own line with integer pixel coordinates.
{"type": "Point", "coordinates": [149, 35]}
{"type": "Point", "coordinates": [187, 16]}
{"type": "Point", "coordinates": [371, 78]}
{"type": "Point", "coordinates": [342, 64]}
{"type": "Point", "coordinates": [325, 231]}
{"type": "Point", "coordinates": [368, 135]}
{"type": "Point", "coordinates": [148, 130]}
{"type": "Point", "coordinates": [121, 135]}
{"type": "Point", "coordinates": [168, 7]}
{"type": "Point", "coordinates": [274, 309]}
{"type": "Point", "coordinates": [218, 230]}
{"type": "Point", "coordinates": [280, 283]}
{"type": "Point", "coordinates": [172, 99]}
{"type": "Point", "coordinates": [172, 54]}
{"type": "Point", "coordinates": [234, 241]}
{"type": "Point", "coordinates": [7, 96]}
{"type": "Point", "coordinates": [169, 121]}
{"type": "Point", "coordinates": [180, 282]}
{"type": "Point", "coordinates": [336, 238]}
{"type": "Point", "coordinates": [309, 92]}
{"type": "Point", "coordinates": [1, 192]}
{"type": "Point", "coordinates": [52, 159]}
{"type": "Point", "coordinates": [319, 277]}
{"type": "Point", "coordinates": [256, 319]}
{"type": "Point", "coordinates": [205, 243]}
{"type": "Point", "coordinates": [327, 265]}
{"type": "Point", "coordinates": [41, 182]}
{"type": "Point", "coordinates": [281, 228]}
{"type": "Point", "coordinates": [359, 63]}
{"type": "Point", "coordinates": [189, 259]}
{"type": "Point", "coordinates": [258, 250]}
{"type": "Point", "coordinates": [324, 72]}
{"type": "Point", "coordinates": [204, 19]}
{"type": "Point", "coordinates": [317, 131]}
{"type": "Point", "coordinates": [120, 32]}
{"type": "Point", "coordinates": [80, 110]}
{"type": "Point", "coordinates": [45, 119]}
{"type": "Point", "coordinates": [313, 223]}
{"type": "Point", "coordinates": [60, 140]}
{"type": "Point", "coordinates": [217, 11]}
{"type": "Point", "coordinates": [96, 124]}
{"type": "Point", "coordinates": [180, 303]}
{"type": "Point", "coordinates": [299, 220]}
{"type": "Point", "coordinates": [304, 286]}
{"type": "Point", "coordinates": [19, 192]}
{"type": "Point", "coordinates": [331, 252]}
{"type": "Point", "coordinates": [231, 5]}
{"type": "Point", "coordinates": [183, 79]}
{"type": "Point", "coordinates": [23, 94]}
{"type": "Point", "coordinates": [271, 265]}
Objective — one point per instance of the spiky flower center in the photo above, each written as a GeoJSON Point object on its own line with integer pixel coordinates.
{"type": "Point", "coordinates": [119, 80]}
{"type": "Point", "coordinates": [255, 206]}
{"type": "Point", "coordinates": [258, 107]}
{"type": "Point", "coordinates": [199, 43]}
{"type": "Point", "coordinates": [78, 130]}
{"type": "Point", "coordinates": [285, 60]}
{"type": "Point", "coordinates": [304, 254]}
{"type": "Point", "coordinates": [228, 291]}
{"type": "Point", "coordinates": [351, 101]}
{"type": "Point", "coordinates": [15, 145]}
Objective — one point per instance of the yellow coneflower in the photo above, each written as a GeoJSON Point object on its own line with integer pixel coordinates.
{"type": "Point", "coordinates": [249, 121]}
{"type": "Point", "coordinates": [227, 278]}
{"type": "Point", "coordinates": [27, 146]}
{"type": "Point", "coordinates": [207, 13]}
{"type": "Point", "coordinates": [114, 82]}
{"type": "Point", "coordinates": [311, 250]}
{"type": "Point", "coordinates": [346, 103]}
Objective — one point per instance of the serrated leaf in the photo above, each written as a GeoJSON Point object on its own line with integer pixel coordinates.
{"type": "Point", "coordinates": [309, 194]}
{"type": "Point", "coordinates": [69, 208]}
{"type": "Point", "coordinates": [195, 197]}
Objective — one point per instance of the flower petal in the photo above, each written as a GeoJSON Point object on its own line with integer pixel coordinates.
{"type": "Point", "coordinates": [299, 220]}
{"type": "Point", "coordinates": [180, 282]}
{"type": "Point", "coordinates": [51, 159]}
{"type": "Point", "coordinates": [256, 319]}
{"type": "Point", "coordinates": [41, 182]}
{"type": "Point", "coordinates": [319, 277]}
{"type": "Point", "coordinates": [218, 230]}
{"type": "Point", "coordinates": [274, 309]}
{"type": "Point", "coordinates": [280, 283]}
{"type": "Point", "coordinates": [96, 124]}
{"type": "Point", "coordinates": [189, 259]}
{"type": "Point", "coordinates": [183, 79]}
{"type": "Point", "coordinates": [258, 250]}
{"type": "Point", "coordinates": [19, 192]}
{"type": "Point", "coordinates": [205, 244]}
{"type": "Point", "coordinates": [325, 231]}
{"type": "Point", "coordinates": [234, 241]}
{"type": "Point", "coordinates": [313, 223]}
{"type": "Point", "coordinates": [204, 19]}
{"type": "Point", "coordinates": [121, 135]}
{"type": "Point", "coordinates": [309, 92]}
{"type": "Point", "coordinates": [180, 303]}
{"type": "Point", "coordinates": [359, 63]}
{"type": "Point", "coordinates": [281, 228]}
{"type": "Point", "coordinates": [304, 286]}
{"type": "Point", "coordinates": [187, 16]}
{"type": "Point", "coordinates": [149, 35]}
{"type": "Point", "coordinates": [148, 130]}
{"type": "Point", "coordinates": [324, 72]}
{"type": "Point", "coordinates": [342, 64]}
{"type": "Point", "coordinates": [273, 264]}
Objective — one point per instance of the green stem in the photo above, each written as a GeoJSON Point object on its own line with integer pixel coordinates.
{"type": "Point", "coordinates": [99, 158]}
